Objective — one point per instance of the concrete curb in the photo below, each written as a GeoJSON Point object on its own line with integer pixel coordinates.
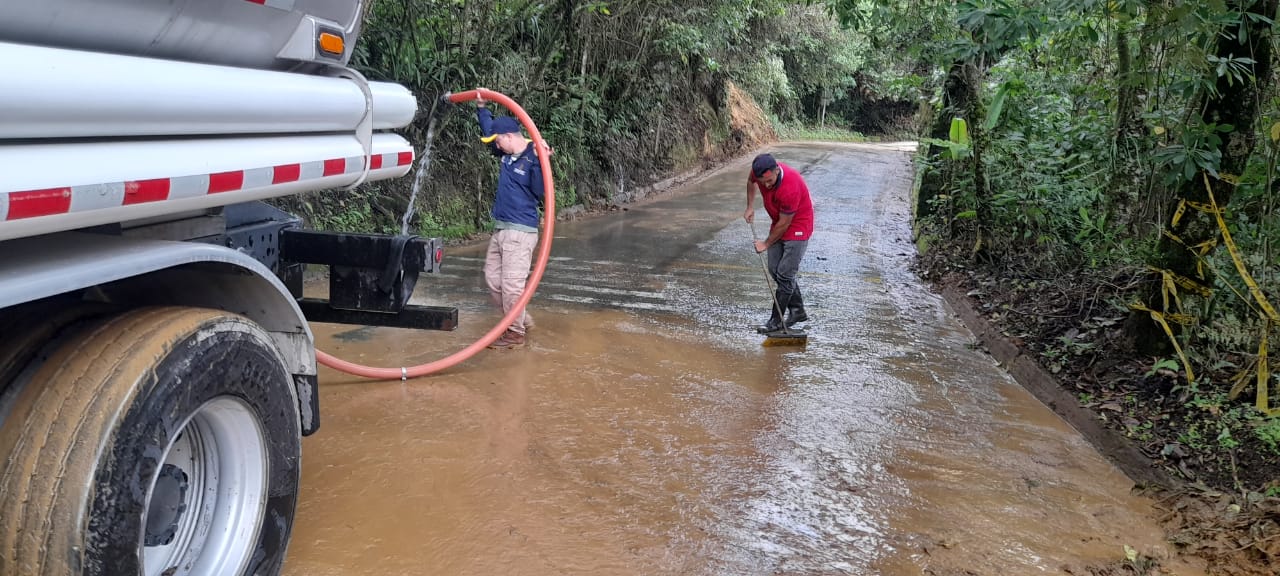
{"type": "Point", "coordinates": [1027, 372]}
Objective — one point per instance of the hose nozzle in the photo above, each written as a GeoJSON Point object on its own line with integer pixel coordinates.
{"type": "Point", "coordinates": [442, 106]}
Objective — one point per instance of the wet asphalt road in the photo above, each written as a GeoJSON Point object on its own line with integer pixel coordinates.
{"type": "Point", "coordinates": [646, 431]}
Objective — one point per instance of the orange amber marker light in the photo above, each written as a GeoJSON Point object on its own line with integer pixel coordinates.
{"type": "Point", "coordinates": [331, 43]}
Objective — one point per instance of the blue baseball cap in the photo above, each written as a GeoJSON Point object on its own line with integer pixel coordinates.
{"type": "Point", "coordinates": [502, 125]}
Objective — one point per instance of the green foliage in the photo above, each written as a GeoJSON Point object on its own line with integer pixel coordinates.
{"type": "Point", "coordinates": [1200, 148]}
{"type": "Point", "coordinates": [352, 212]}
{"type": "Point", "coordinates": [1221, 425]}
{"type": "Point", "coordinates": [625, 91]}
{"type": "Point", "coordinates": [1088, 120]}
{"type": "Point", "coordinates": [447, 221]}
{"type": "Point", "coordinates": [996, 109]}
{"type": "Point", "coordinates": [998, 25]}
{"type": "Point", "coordinates": [959, 144]}
{"type": "Point", "coordinates": [1170, 364]}
{"type": "Point", "coordinates": [795, 131]}
{"type": "Point", "coordinates": [767, 82]}
{"type": "Point", "coordinates": [1268, 431]}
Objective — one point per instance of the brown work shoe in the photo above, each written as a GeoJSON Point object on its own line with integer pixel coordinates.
{"type": "Point", "coordinates": [509, 339]}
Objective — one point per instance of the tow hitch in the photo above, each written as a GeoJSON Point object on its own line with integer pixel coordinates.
{"type": "Point", "coordinates": [371, 278]}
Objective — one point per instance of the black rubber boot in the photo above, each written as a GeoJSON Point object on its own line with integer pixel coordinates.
{"type": "Point", "coordinates": [795, 311]}
{"type": "Point", "coordinates": [773, 325]}
{"type": "Point", "coordinates": [781, 300]}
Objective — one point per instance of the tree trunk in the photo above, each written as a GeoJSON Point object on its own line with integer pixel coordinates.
{"type": "Point", "coordinates": [1126, 176]}
{"type": "Point", "coordinates": [1131, 175]}
{"type": "Point", "coordinates": [1236, 103]}
{"type": "Point", "coordinates": [955, 103]}
{"type": "Point", "coordinates": [976, 116]}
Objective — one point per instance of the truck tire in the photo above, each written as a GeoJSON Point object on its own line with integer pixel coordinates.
{"type": "Point", "coordinates": [26, 329]}
{"type": "Point", "coordinates": [159, 442]}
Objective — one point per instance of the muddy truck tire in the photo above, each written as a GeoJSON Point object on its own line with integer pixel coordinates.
{"type": "Point", "coordinates": [159, 441]}
{"type": "Point", "coordinates": [26, 330]}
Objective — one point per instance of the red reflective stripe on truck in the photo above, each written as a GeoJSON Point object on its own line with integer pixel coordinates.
{"type": "Point", "coordinates": [33, 203]}
{"type": "Point", "coordinates": [143, 191]}
{"type": "Point", "coordinates": [90, 197]}
{"type": "Point", "coordinates": [226, 181]}
{"type": "Point", "coordinates": [286, 173]}
{"type": "Point", "coordinates": [277, 4]}
{"type": "Point", "coordinates": [336, 166]}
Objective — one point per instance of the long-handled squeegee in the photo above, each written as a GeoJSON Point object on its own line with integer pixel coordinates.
{"type": "Point", "coordinates": [784, 336]}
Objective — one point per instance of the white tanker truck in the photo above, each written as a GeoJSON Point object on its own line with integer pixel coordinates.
{"type": "Point", "coordinates": [157, 371]}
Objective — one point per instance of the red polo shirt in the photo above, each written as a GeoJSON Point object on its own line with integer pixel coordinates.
{"type": "Point", "coordinates": [790, 195]}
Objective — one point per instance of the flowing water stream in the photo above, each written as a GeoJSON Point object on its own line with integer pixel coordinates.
{"type": "Point", "coordinates": [424, 165]}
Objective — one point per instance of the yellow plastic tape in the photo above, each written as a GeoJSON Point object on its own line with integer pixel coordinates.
{"type": "Point", "coordinates": [1261, 298]}
{"type": "Point", "coordinates": [1177, 217]}
{"type": "Point", "coordinates": [1202, 251]}
{"type": "Point", "coordinates": [1240, 381]}
{"type": "Point", "coordinates": [1202, 207]}
{"type": "Point", "coordinates": [1186, 283]}
{"type": "Point", "coordinates": [1203, 248]}
{"type": "Point", "coordinates": [1169, 289]}
{"type": "Point", "coordinates": [1263, 400]}
{"type": "Point", "coordinates": [1264, 373]}
{"type": "Point", "coordinates": [1169, 283]}
{"type": "Point", "coordinates": [1159, 318]}
{"type": "Point", "coordinates": [1232, 287]}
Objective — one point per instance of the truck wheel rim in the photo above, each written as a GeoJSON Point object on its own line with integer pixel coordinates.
{"type": "Point", "coordinates": [205, 503]}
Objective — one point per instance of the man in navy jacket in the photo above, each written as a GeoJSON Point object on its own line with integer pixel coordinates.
{"type": "Point", "coordinates": [515, 218]}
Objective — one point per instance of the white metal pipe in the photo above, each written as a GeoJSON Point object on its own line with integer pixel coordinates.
{"type": "Point", "coordinates": [57, 93]}
{"type": "Point", "coordinates": [95, 177]}
{"type": "Point", "coordinates": [394, 106]}
{"type": "Point", "coordinates": [51, 165]}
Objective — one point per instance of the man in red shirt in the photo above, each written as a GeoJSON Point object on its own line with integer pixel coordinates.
{"type": "Point", "coordinates": [786, 199]}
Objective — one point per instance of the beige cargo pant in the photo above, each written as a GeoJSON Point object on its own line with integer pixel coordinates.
{"type": "Point", "coordinates": [506, 269]}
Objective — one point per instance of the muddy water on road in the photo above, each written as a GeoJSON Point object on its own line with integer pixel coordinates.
{"type": "Point", "coordinates": [646, 431]}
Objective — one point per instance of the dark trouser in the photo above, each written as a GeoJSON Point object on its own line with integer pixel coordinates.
{"type": "Point", "coordinates": [784, 263]}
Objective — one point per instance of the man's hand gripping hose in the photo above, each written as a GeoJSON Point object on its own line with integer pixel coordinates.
{"type": "Point", "coordinates": [540, 264]}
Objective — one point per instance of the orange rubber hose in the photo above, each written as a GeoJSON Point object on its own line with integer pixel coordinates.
{"type": "Point", "coordinates": [540, 265]}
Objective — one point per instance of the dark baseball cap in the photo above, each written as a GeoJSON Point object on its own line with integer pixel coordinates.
{"type": "Point", "coordinates": [763, 163]}
{"type": "Point", "coordinates": [501, 125]}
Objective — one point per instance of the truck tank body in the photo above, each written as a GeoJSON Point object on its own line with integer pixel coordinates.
{"type": "Point", "coordinates": [244, 33]}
